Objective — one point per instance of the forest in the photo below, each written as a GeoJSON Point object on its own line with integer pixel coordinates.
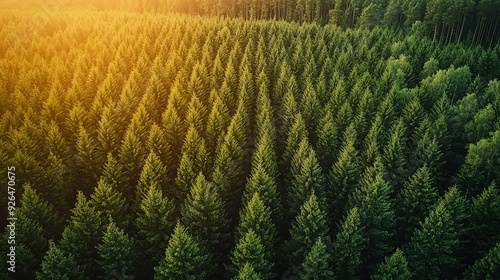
{"type": "Point", "coordinates": [261, 140]}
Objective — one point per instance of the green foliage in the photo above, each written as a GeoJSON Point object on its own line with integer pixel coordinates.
{"type": "Point", "coordinates": [58, 265]}
{"type": "Point", "coordinates": [184, 258]}
{"type": "Point", "coordinates": [486, 268]}
{"type": "Point", "coordinates": [394, 267]}
{"type": "Point", "coordinates": [309, 225]}
{"type": "Point", "coordinates": [110, 203]}
{"type": "Point", "coordinates": [116, 252]}
{"type": "Point", "coordinates": [249, 250]}
{"type": "Point", "coordinates": [348, 246]}
{"type": "Point", "coordinates": [205, 218]}
{"type": "Point", "coordinates": [316, 266]}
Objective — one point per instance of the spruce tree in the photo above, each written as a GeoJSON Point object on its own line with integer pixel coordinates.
{"type": "Point", "coordinates": [81, 236]}
{"type": "Point", "coordinates": [316, 265]}
{"type": "Point", "coordinates": [415, 201]}
{"type": "Point", "coordinates": [394, 267]}
{"type": "Point", "coordinates": [249, 250]}
{"type": "Point", "coordinates": [110, 203]}
{"type": "Point", "coordinates": [257, 216]}
{"type": "Point", "coordinates": [59, 265]}
{"type": "Point", "coordinates": [309, 225]}
{"type": "Point", "coordinates": [116, 252]}
{"type": "Point", "coordinates": [153, 173]}
{"type": "Point", "coordinates": [487, 267]}
{"type": "Point", "coordinates": [205, 218]}
{"type": "Point", "coordinates": [347, 247]}
{"type": "Point", "coordinates": [307, 177]}
{"type": "Point", "coordinates": [113, 175]}
{"type": "Point", "coordinates": [432, 250]}
{"type": "Point", "coordinates": [154, 225]}
{"type": "Point", "coordinates": [184, 258]}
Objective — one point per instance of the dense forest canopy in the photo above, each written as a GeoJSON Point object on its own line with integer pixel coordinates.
{"type": "Point", "coordinates": [175, 146]}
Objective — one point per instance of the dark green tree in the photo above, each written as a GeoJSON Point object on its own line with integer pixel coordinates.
{"type": "Point", "coordinates": [316, 266]}
{"type": "Point", "coordinates": [394, 267]}
{"type": "Point", "coordinates": [249, 250]}
{"type": "Point", "coordinates": [247, 272]}
{"type": "Point", "coordinates": [205, 218]}
{"type": "Point", "coordinates": [155, 224]}
{"type": "Point", "coordinates": [309, 225]}
{"type": "Point", "coordinates": [116, 252]}
{"type": "Point", "coordinates": [487, 267]}
{"type": "Point", "coordinates": [348, 246]}
{"type": "Point", "coordinates": [415, 201]}
{"type": "Point", "coordinates": [58, 265]}
{"type": "Point", "coordinates": [110, 203]}
{"type": "Point", "coordinates": [184, 258]}
{"type": "Point", "coordinates": [81, 236]}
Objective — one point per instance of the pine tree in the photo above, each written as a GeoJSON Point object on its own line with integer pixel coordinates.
{"type": "Point", "coordinates": [158, 144]}
{"type": "Point", "coordinates": [87, 162]}
{"type": "Point", "coordinates": [116, 252]}
{"type": "Point", "coordinates": [307, 177]}
{"type": "Point", "coordinates": [82, 234]}
{"type": "Point", "coordinates": [153, 173]}
{"type": "Point", "coordinates": [377, 218]}
{"type": "Point", "coordinates": [217, 123]}
{"type": "Point", "coordinates": [257, 216]}
{"type": "Point", "coordinates": [309, 225]}
{"type": "Point", "coordinates": [110, 203]}
{"type": "Point", "coordinates": [327, 140]}
{"type": "Point", "coordinates": [296, 134]}
{"type": "Point", "coordinates": [432, 250]}
{"type": "Point", "coordinates": [194, 160]}
{"type": "Point", "coordinates": [113, 175]}
{"type": "Point", "coordinates": [394, 155]}
{"type": "Point", "coordinates": [58, 265]}
{"type": "Point", "coordinates": [131, 157]}
{"type": "Point", "coordinates": [394, 267]}
{"type": "Point", "coordinates": [184, 258]}
{"type": "Point", "coordinates": [317, 263]}
{"type": "Point", "coordinates": [205, 217]}
{"type": "Point", "coordinates": [249, 250]}
{"type": "Point", "coordinates": [348, 246]}
{"type": "Point", "coordinates": [343, 180]}
{"type": "Point", "coordinates": [154, 225]}
{"type": "Point", "coordinates": [487, 267]}
{"type": "Point", "coordinates": [247, 272]}
{"type": "Point", "coordinates": [485, 221]}
{"type": "Point", "coordinates": [415, 201]}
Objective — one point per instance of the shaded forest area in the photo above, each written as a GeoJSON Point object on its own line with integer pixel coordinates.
{"type": "Point", "coordinates": [468, 21]}
{"type": "Point", "coordinates": [183, 146]}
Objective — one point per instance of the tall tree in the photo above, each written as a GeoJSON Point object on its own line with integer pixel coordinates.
{"type": "Point", "coordinates": [393, 268]}
{"type": "Point", "coordinates": [309, 225]}
{"type": "Point", "coordinates": [204, 216]}
{"type": "Point", "coordinates": [316, 265]}
{"type": "Point", "coordinates": [249, 250]}
{"type": "Point", "coordinates": [348, 246]}
{"type": "Point", "coordinates": [116, 252]}
{"type": "Point", "coordinates": [59, 265]}
{"type": "Point", "coordinates": [184, 258]}
{"type": "Point", "coordinates": [487, 267]}
{"type": "Point", "coordinates": [155, 224]}
{"type": "Point", "coordinates": [110, 203]}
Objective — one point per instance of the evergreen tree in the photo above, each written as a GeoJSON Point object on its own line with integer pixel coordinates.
{"type": "Point", "coordinates": [342, 180]}
{"type": "Point", "coordinates": [58, 265]}
{"type": "Point", "coordinates": [394, 267]}
{"type": "Point", "coordinates": [194, 160]}
{"type": "Point", "coordinates": [249, 250]}
{"type": "Point", "coordinates": [307, 177]}
{"type": "Point", "coordinates": [153, 173]}
{"type": "Point", "coordinates": [485, 221]}
{"type": "Point", "coordinates": [415, 201]}
{"type": "Point", "coordinates": [432, 248]}
{"type": "Point", "coordinates": [205, 217]}
{"type": "Point", "coordinates": [184, 258]}
{"type": "Point", "coordinates": [348, 246]}
{"type": "Point", "coordinates": [113, 176]}
{"type": "Point", "coordinates": [394, 155]}
{"type": "Point", "coordinates": [131, 157]}
{"type": "Point", "coordinates": [87, 162]}
{"type": "Point", "coordinates": [309, 225]}
{"type": "Point", "coordinates": [317, 263]}
{"type": "Point", "coordinates": [81, 236]}
{"type": "Point", "coordinates": [377, 219]}
{"type": "Point", "coordinates": [116, 252]}
{"type": "Point", "coordinates": [486, 268]}
{"type": "Point", "coordinates": [257, 216]}
{"type": "Point", "coordinates": [247, 272]}
{"type": "Point", "coordinates": [154, 225]}
{"type": "Point", "coordinates": [110, 203]}
{"type": "Point", "coordinates": [158, 144]}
